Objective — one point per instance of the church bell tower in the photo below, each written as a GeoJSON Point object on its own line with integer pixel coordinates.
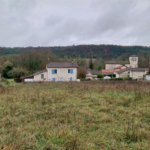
{"type": "Point", "coordinates": [133, 61]}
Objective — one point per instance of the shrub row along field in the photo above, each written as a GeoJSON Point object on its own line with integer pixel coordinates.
{"type": "Point", "coordinates": [107, 115]}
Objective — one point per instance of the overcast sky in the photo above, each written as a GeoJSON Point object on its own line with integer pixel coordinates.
{"type": "Point", "coordinates": [67, 22]}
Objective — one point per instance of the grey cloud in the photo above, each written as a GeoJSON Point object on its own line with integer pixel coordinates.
{"type": "Point", "coordinates": [68, 22]}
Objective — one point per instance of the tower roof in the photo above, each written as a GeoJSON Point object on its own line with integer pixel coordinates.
{"type": "Point", "coordinates": [133, 56]}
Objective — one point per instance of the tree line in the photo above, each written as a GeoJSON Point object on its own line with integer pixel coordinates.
{"type": "Point", "coordinates": [99, 51]}
{"type": "Point", "coordinates": [26, 61]}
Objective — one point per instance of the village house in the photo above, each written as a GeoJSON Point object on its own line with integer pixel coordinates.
{"type": "Point", "coordinates": [92, 74]}
{"type": "Point", "coordinates": [125, 70]}
{"type": "Point", "coordinates": [55, 71]}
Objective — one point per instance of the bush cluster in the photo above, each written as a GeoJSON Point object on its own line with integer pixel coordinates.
{"type": "Point", "coordinates": [120, 79]}
{"type": "Point", "coordinates": [100, 76]}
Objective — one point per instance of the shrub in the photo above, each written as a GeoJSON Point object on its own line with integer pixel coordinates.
{"type": "Point", "coordinates": [88, 79]}
{"type": "Point", "coordinates": [82, 79]}
{"type": "Point", "coordinates": [100, 76]}
{"type": "Point", "coordinates": [118, 79]}
{"type": "Point", "coordinates": [113, 75]}
{"type": "Point", "coordinates": [128, 78]}
{"type": "Point", "coordinates": [112, 79]}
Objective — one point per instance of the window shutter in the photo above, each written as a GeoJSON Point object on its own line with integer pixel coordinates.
{"type": "Point", "coordinates": [71, 71]}
{"type": "Point", "coordinates": [52, 71]}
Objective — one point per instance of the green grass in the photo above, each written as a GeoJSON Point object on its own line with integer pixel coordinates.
{"type": "Point", "coordinates": [8, 84]}
{"type": "Point", "coordinates": [107, 115]}
{"type": "Point", "coordinates": [10, 80]}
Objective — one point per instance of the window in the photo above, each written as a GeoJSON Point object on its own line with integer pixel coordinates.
{"type": "Point", "coordinates": [70, 71]}
{"type": "Point", "coordinates": [129, 72]}
{"type": "Point", "coordinates": [133, 72]}
{"type": "Point", "coordinates": [54, 71]}
{"type": "Point", "coordinates": [54, 79]}
{"type": "Point", "coordinates": [133, 59]}
{"type": "Point", "coordinates": [42, 76]}
{"type": "Point", "coordinates": [141, 72]}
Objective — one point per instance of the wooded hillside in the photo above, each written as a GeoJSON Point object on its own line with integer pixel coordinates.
{"type": "Point", "coordinates": [99, 51]}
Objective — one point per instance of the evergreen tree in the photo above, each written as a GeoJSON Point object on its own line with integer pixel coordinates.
{"type": "Point", "coordinates": [91, 60]}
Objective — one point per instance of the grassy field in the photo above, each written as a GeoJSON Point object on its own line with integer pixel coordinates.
{"type": "Point", "coordinates": [10, 80]}
{"type": "Point", "coordinates": [106, 115]}
{"type": "Point", "coordinates": [8, 84]}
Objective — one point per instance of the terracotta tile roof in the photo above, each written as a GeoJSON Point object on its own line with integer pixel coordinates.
{"type": "Point", "coordinates": [116, 70]}
{"type": "Point", "coordinates": [121, 66]}
{"type": "Point", "coordinates": [89, 75]}
{"type": "Point", "coordinates": [62, 65]}
{"type": "Point", "coordinates": [107, 71]}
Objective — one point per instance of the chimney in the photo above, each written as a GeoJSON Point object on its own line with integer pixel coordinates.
{"type": "Point", "coordinates": [72, 62]}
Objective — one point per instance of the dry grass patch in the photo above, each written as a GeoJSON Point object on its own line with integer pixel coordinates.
{"type": "Point", "coordinates": [75, 116]}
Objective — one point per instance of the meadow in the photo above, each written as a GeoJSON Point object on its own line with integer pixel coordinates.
{"type": "Point", "coordinates": [104, 115]}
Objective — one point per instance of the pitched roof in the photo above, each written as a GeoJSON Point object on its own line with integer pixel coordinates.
{"type": "Point", "coordinates": [89, 75]}
{"type": "Point", "coordinates": [119, 67]}
{"type": "Point", "coordinates": [133, 56]}
{"type": "Point", "coordinates": [139, 69]}
{"type": "Point", "coordinates": [107, 71]}
{"type": "Point", "coordinates": [131, 69]}
{"type": "Point", "coordinates": [28, 76]}
{"type": "Point", "coordinates": [123, 70]}
{"type": "Point", "coordinates": [40, 72]}
{"type": "Point", "coordinates": [95, 72]}
{"type": "Point", "coordinates": [117, 62]}
{"type": "Point", "coordinates": [62, 65]}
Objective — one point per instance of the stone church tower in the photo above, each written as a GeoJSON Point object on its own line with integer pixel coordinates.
{"type": "Point", "coordinates": [133, 61]}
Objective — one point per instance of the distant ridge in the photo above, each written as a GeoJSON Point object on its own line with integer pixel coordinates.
{"type": "Point", "coordinates": [99, 51]}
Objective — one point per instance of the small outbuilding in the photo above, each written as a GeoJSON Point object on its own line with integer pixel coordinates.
{"type": "Point", "coordinates": [28, 78]}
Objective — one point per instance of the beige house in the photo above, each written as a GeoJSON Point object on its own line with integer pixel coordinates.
{"type": "Point", "coordinates": [57, 71]}
{"type": "Point", "coordinates": [126, 70]}
{"type": "Point", "coordinates": [133, 63]}
{"type": "Point", "coordinates": [133, 71]}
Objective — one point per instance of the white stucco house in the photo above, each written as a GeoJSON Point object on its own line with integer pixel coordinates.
{"type": "Point", "coordinates": [56, 71]}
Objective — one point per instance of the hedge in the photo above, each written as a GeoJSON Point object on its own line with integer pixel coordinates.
{"type": "Point", "coordinates": [100, 76]}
